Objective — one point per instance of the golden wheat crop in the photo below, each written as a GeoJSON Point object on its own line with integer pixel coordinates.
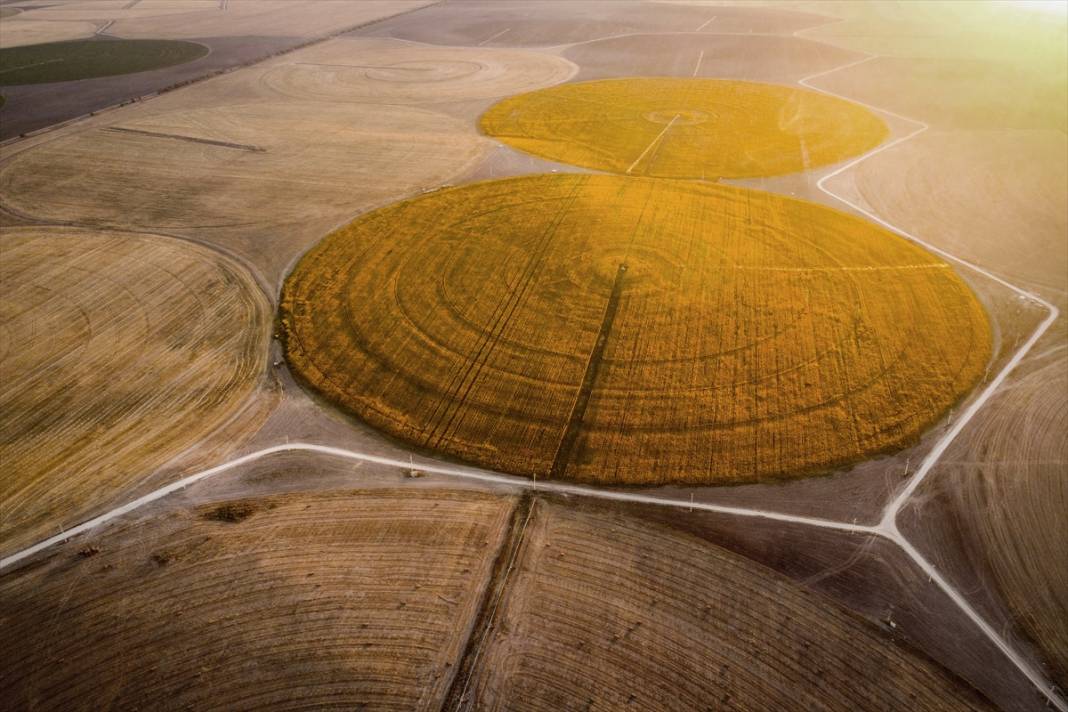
{"type": "Point", "coordinates": [636, 330]}
{"type": "Point", "coordinates": [685, 128]}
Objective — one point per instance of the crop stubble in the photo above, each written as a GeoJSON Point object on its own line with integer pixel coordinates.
{"type": "Point", "coordinates": [117, 351]}
{"type": "Point", "coordinates": [607, 612]}
{"type": "Point", "coordinates": [334, 600]}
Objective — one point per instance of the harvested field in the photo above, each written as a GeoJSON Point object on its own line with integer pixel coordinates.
{"type": "Point", "coordinates": [19, 32]}
{"type": "Point", "coordinates": [937, 186]}
{"type": "Point", "coordinates": [267, 18]}
{"type": "Point", "coordinates": [985, 95]}
{"type": "Point", "coordinates": [605, 612]}
{"type": "Point", "coordinates": [493, 23]}
{"type": "Point", "coordinates": [1004, 486]}
{"type": "Point", "coordinates": [238, 32]}
{"type": "Point", "coordinates": [632, 330]}
{"type": "Point", "coordinates": [762, 58]}
{"type": "Point", "coordinates": [210, 18]}
{"type": "Point", "coordinates": [411, 75]}
{"type": "Point", "coordinates": [257, 165]}
{"type": "Point", "coordinates": [86, 59]}
{"type": "Point", "coordinates": [685, 128]}
{"type": "Point", "coordinates": [117, 352]}
{"type": "Point", "coordinates": [343, 600]}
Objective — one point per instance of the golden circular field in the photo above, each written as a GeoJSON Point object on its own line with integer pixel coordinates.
{"type": "Point", "coordinates": [685, 128]}
{"type": "Point", "coordinates": [633, 330]}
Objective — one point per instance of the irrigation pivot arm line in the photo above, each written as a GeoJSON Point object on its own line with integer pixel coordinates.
{"type": "Point", "coordinates": [886, 528]}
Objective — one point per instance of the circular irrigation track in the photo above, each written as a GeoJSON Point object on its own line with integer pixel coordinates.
{"type": "Point", "coordinates": [633, 331]}
{"type": "Point", "coordinates": [685, 128]}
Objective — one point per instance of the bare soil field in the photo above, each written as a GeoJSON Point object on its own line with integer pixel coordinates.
{"type": "Point", "coordinates": [1002, 490]}
{"type": "Point", "coordinates": [763, 58]}
{"type": "Point", "coordinates": [985, 94]}
{"type": "Point", "coordinates": [933, 186]}
{"type": "Point", "coordinates": [339, 600]}
{"type": "Point", "coordinates": [117, 352]}
{"type": "Point", "coordinates": [343, 71]}
{"type": "Point", "coordinates": [508, 23]}
{"type": "Point", "coordinates": [19, 31]}
{"type": "Point", "coordinates": [237, 174]}
{"type": "Point", "coordinates": [242, 32]}
{"type": "Point", "coordinates": [604, 612]}
{"type": "Point", "coordinates": [565, 342]}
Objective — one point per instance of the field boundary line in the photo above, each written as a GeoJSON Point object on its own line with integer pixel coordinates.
{"type": "Point", "coordinates": [456, 471]}
{"type": "Point", "coordinates": [32, 133]}
{"type": "Point", "coordinates": [887, 526]}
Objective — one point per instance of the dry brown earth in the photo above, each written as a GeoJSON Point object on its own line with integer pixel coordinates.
{"type": "Point", "coordinates": [969, 94]}
{"type": "Point", "coordinates": [344, 71]}
{"type": "Point", "coordinates": [117, 352]}
{"type": "Point", "coordinates": [938, 186]}
{"type": "Point", "coordinates": [237, 174]}
{"type": "Point", "coordinates": [757, 58]}
{"type": "Point", "coordinates": [1004, 489]}
{"type": "Point", "coordinates": [605, 612]}
{"type": "Point", "coordinates": [343, 600]}
{"type": "Point", "coordinates": [492, 23]}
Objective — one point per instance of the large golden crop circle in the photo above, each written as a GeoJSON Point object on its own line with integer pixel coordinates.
{"type": "Point", "coordinates": [633, 330]}
{"type": "Point", "coordinates": [685, 128]}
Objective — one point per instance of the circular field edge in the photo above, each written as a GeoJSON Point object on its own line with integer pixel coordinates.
{"type": "Point", "coordinates": [393, 430]}
{"type": "Point", "coordinates": [191, 51]}
{"type": "Point", "coordinates": [488, 115]}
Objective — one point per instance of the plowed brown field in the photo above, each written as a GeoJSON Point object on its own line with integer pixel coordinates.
{"type": "Point", "coordinates": [345, 600]}
{"type": "Point", "coordinates": [605, 612]}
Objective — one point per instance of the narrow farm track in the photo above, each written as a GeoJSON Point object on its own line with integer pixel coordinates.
{"type": "Point", "coordinates": [1013, 504]}
{"type": "Point", "coordinates": [339, 600]}
{"type": "Point", "coordinates": [888, 524]}
{"type": "Point", "coordinates": [886, 528]}
{"type": "Point", "coordinates": [609, 612]}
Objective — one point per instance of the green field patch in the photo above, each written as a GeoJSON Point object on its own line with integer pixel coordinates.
{"type": "Point", "coordinates": [87, 59]}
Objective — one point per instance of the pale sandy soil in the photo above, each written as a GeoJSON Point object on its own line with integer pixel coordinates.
{"type": "Point", "coordinates": [18, 31]}
{"type": "Point", "coordinates": [401, 73]}
{"type": "Point", "coordinates": [117, 352]}
{"type": "Point", "coordinates": [178, 19]}
{"type": "Point", "coordinates": [338, 600]}
{"type": "Point", "coordinates": [760, 58]}
{"type": "Point", "coordinates": [493, 23]}
{"type": "Point", "coordinates": [260, 192]}
{"type": "Point", "coordinates": [938, 183]}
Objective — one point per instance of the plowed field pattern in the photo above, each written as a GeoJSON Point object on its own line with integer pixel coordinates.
{"type": "Point", "coordinates": [606, 612]}
{"type": "Point", "coordinates": [343, 600]}
{"type": "Point", "coordinates": [632, 330]}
